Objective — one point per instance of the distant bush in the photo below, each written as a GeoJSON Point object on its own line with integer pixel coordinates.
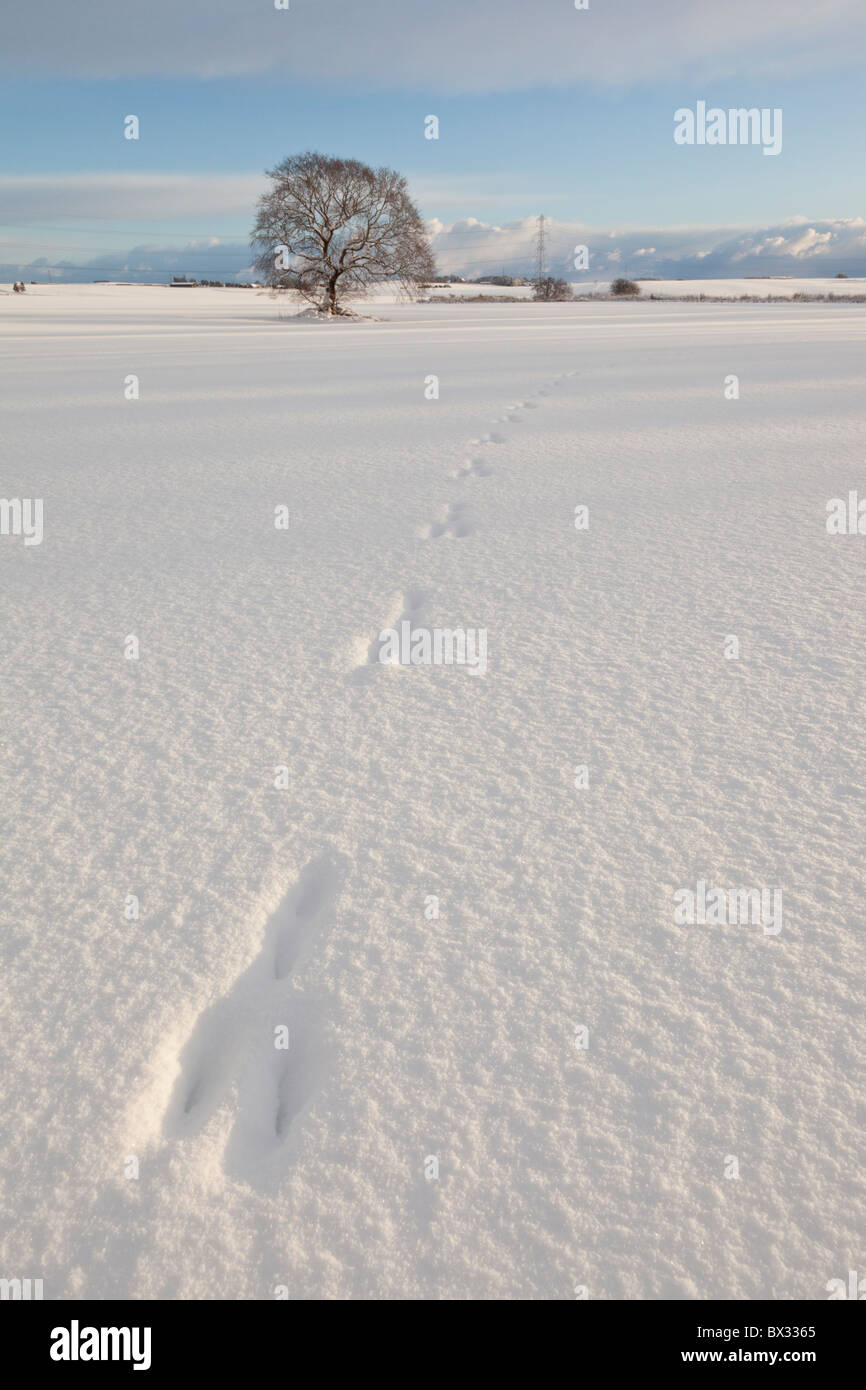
{"type": "Point", "coordinates": [550, 288]}
{"type": "Point", "coordinates": [840, 275]}
{"type": "Point", "coordinates": [621, 286]}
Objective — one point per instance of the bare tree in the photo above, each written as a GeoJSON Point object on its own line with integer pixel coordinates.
{"type": "Point", "coordinates": [328, 227]}
{"type": "Point", "coordinates": [548, 287]}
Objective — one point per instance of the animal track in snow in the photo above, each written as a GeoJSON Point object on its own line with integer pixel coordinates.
{"type": "Point", "coordinates": [299, 916]}
{"type": "Point", "coordinates": [472, 468]}
{"type": "Point", "coordinates": [231, 1052]}
{"type": "Point", "coordinates": [414, 604]}
{"type": "Point", "coordinates": [513, 414]}
{"type": "Point", "coordinates": [492, 438]}
{"type": "Point", "coordinates": [456, 524]}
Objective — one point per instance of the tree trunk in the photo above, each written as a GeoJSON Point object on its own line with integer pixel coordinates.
{"type": "Point", "coordinates": [331, 296]}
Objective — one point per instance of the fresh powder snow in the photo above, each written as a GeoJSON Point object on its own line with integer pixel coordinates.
{"type": "Point", "coordinates": [359, 978]}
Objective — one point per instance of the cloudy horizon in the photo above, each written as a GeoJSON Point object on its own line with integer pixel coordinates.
{"type": "Point", "coordinates": [472, 248]}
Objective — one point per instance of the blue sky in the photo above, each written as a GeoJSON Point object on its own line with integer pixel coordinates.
{"type": "Point", "coordinates": [589, 145]}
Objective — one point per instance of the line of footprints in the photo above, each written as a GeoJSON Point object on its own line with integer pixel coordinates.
{"type": "Point", "coordinates": [260, 1045]}
{"type": "Point", "coordinates": [455, 521]}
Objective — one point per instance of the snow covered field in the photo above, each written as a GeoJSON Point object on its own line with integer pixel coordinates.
{"type": "Point", "coordinates": [309, 905]}
{"type": "Point", "coordinates": [775, 287]}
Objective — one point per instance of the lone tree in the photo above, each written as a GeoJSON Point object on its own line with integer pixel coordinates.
{"type": "Point", "coordinates": [327, 228]}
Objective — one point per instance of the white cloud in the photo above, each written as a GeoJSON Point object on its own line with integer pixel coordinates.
{"type": "Point", "coordinates": [820, 247]}
{"type": "Point", "coordinates": [454, 45]}
{"type": "Point", "coordinates": [210, 259]}
{"type": "Point", "coordinates": [119, 197]}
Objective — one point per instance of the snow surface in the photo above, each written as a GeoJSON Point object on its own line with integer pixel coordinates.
{"type": "Point", "coordinates": [412, 1037]}
{"type": "Point", "coordinates": [781, 287]}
